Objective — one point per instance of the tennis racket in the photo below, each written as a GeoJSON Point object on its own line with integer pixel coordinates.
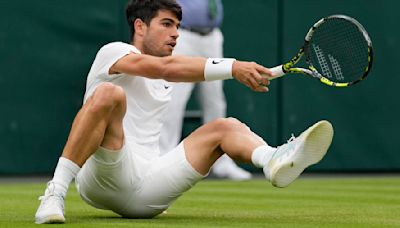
{"type": "Point", "coordinates": [337, 51]}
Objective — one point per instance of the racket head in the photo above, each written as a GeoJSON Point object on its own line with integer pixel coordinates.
{"type": "Point", "coordinates": [338, 51]}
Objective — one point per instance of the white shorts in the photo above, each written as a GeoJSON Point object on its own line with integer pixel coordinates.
{"type": "Point", "coordinates": [133, 186]}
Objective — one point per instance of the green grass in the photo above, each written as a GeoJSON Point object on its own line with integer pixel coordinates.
{"type": "Point", "coordinates": [309, 202]}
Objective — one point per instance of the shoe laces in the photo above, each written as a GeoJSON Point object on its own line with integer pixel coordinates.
{"type": "Point", "coordinates": [49, 190]}
{"type": "Point", "coordinates": [50, 193]}
{"type": "Point", "coordinates": [291, 139]}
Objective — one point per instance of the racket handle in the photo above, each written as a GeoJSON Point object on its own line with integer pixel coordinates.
{"type": "Point", "coordinates": [278, 71]}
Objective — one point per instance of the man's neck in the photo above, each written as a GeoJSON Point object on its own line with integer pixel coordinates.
{"type": "Point", "coordinates": [137, 45]}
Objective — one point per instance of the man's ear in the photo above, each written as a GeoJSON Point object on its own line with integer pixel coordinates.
{"type": "Point", "coordinates": [140, 27]}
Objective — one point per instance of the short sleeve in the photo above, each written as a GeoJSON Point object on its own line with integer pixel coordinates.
{"type": "Point", "coordinates": [109, 54]}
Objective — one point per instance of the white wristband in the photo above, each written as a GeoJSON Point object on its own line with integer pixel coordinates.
{"type": "Point", "coordinates": [218, 69]}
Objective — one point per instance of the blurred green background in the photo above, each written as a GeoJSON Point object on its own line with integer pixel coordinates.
{"type": "Point", "coordinates": [47, 48]}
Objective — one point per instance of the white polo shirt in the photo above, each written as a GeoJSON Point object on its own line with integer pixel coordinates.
{"type": "Point", "coordinates": [146, 98]}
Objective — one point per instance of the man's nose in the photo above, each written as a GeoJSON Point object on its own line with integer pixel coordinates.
{"type": "Point", "coordinates": [175, 33]}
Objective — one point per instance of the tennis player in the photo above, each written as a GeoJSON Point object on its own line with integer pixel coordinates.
{"type": "Point", "coordinates": [112, 149]}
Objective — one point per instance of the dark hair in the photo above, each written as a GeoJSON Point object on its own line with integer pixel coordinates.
{"type": "Point", "coordinates": [146, 10]}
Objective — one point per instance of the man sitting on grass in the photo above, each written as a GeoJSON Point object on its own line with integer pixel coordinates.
{"type": "Point", "coordinates": [112, 149]}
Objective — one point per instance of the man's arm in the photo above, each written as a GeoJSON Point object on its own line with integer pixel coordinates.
{"type": "Point", "coordinates": [187, 69]}
{"type": "Point", "coordinates": [170, 68]}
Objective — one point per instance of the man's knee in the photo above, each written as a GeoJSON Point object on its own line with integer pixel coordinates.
{"type": "Point", "coordinates": [229, 124]}
{"type": "Point", "coordinates": [107, 96]}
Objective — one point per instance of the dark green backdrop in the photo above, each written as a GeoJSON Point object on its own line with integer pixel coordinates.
{"type": "Point", "coordinates": [46, 49]}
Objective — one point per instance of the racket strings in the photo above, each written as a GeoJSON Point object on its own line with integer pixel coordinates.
{"type": "Point", "coordinates": [339, 50]}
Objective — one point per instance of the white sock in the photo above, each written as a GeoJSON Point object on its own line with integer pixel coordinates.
{"type": "Point", "coordinates": [65, 172]}
{"type": "Point", "coordinates": [261, 155]}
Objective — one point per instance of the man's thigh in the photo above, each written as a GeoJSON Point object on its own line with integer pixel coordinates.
{"type": "Point", "coordinates": [168, 178]}
{"type": "Point", "coordinates": [107, 179]}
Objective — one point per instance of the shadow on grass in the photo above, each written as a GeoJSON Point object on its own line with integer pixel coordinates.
{"type": "Point", "coordinates": [171, 219]}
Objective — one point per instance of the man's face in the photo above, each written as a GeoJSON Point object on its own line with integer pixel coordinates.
{"type": "Point", "coordinates": [160, 36]}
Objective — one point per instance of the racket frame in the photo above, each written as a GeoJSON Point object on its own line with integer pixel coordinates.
{"type": "Point", "coordinates": [288, 67]}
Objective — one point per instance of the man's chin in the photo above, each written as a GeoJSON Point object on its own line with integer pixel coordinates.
{"type": "Point", "coordinates": [166, 53]}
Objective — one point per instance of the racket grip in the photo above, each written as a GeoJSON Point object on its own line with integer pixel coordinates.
{"type": "Point", "coordinates": [277, 71]}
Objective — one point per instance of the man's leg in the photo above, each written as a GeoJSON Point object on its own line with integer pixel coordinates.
{"type": "Point", "coordinates": [281, 165]}
{"type": "Point", "coordinates": [224, 135]}
{"type": "Point", "coordinates": [214, 107]}
{"type": "Point", "coordinates": [99, 122]}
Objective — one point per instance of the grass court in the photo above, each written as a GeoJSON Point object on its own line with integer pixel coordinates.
{"type": "Point", "coordinates": [308, 202]}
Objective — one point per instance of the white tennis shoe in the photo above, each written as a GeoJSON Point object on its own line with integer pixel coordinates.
{"type": "Point", "coordinates": [51, 209]}
{"type": "Point", "coordinates": [290, 159]}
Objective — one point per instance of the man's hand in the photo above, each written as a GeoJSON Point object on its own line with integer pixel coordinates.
{"type": "Point", "coordinates": [249, 73]}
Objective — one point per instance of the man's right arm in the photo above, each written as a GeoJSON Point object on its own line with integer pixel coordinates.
{"type": "Point", "coordinates": [187, 69]}
{"type": "Point", "coordinates": [170, 68]}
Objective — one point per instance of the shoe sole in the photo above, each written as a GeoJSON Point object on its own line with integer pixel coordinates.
{"type": "Point", "coordinates": [317, 140]}
{"type": "Point", "coordinates": [52, 219]}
